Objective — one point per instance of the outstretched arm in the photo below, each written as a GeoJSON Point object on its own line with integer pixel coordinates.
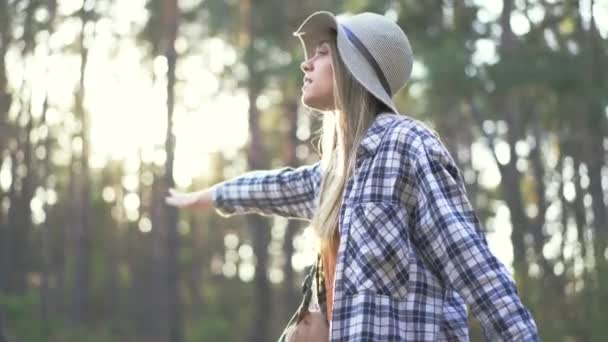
{"type": "Point", "coordinates": [288, 192]}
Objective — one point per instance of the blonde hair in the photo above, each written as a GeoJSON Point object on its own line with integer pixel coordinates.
{"type": "Point", "coordinates": [341, 133]}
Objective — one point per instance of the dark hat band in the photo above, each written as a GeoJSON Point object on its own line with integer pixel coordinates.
{"type": "Point", "coordinates": [368, 56]}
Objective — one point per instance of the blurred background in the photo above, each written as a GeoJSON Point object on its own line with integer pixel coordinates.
{"type": "Point", "coordinates": [105, 104]}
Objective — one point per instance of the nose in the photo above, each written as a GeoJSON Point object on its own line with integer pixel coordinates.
{"type": "Point", "coordinates": [306, 65]}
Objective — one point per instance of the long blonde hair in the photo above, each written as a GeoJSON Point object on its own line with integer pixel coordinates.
{"type": "Point", "coordinates": [342, 132]}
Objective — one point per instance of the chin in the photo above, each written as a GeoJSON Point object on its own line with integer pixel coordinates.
{"type": "Point", "coordinates": [309, 102]}
{"type": "Point", "coordinates": [316, 104]}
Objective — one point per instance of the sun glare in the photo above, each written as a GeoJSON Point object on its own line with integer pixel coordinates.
{"type": "Point", "coordinates": [127, 108]}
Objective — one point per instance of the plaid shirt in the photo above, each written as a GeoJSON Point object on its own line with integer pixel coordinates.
{"type": "Point", "coordinates": [411, 251]}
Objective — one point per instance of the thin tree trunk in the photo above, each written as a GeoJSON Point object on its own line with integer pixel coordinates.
{"type": "Point", "coordinates": [579, 208]}
{"type": "Point", "coordinates": [256, 159]}
{"type": "Point", "coordinates": [5, 96]}
{"type": "Point", "coordinates": [538, 169]}
{"type": "Point", "coordinates": [260, 229]}
{"type": "Point", "coordinates": [170, 14]}
{"type": "Point", "coordinates": [4, 248]}
{"type": "Point", "coordinates": [594, 127]}
{"type": "Point", "coordinates": [46, 299]}
{"type": "Point", "coordinates": [158, 268]}
{"type": "Point", "coordinates": [511, 177]}
{"type": "Point", "coordinates": [21, 190]}
{"type": "Point", "coordinates": [511, 193]}
{"type": "Point", "coordinates": [196, 268]}
{"type": "Point", "coordinates": [595, 163]}
{"type": "Point", "coordinates": [19, 215]}
{"type": "Point", "coordinates": [81, 229]}
{"type": "Point", "coordinates": [513, 198]}
{"type": "Point", "coordinates": [60, 244]}
{"type": "Point", "coordinates": [114, 243]}
{"type": "Point", "coordinates": [2, 335]}
{"type": "Point", "coordinates": [291, 297]}
{"type": "Point", "coordinates": [45, 233]}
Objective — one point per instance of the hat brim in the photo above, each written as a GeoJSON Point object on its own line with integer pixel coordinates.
{"type": "Point", "coordinates": [317, 27]}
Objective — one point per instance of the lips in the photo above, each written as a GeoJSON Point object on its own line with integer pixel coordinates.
{"type": "Point", "coordinates": [306, 81]}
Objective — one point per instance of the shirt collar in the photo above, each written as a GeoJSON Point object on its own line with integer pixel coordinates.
{"type": "Point", "coordinates": [373, 135]}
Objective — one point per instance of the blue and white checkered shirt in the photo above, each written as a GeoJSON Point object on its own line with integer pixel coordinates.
{"type": "Point", "coordinates": [411, 249]}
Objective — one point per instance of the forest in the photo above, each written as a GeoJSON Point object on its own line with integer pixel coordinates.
{"type": "Point", "coordinates": [106, 104]}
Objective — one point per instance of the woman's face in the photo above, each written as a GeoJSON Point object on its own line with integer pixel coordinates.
{"type": "Point", "coordinates": [318, 88]}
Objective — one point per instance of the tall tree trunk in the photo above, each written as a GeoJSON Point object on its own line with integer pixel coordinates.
{"type": "Point", "coordinates": [4, 248]}
{"type": "Point", "coordinates": [291, 297]}
{"type": "Point", "coordinates": [579, 208]}
{"type": "Point", "coordinates": [12, 246]}
{"type": "Point", "coordinates": [538, 170]}
{"type": "Point", "coordinates": [21, 191]}
{"type": "Point", "coordinates": [5, 96]}
{"type": "Point", "coordinates": [45, 232]}
{"type": "Point", "coordinates": [58, 293]}
{"type": "Point", "coordinates": [147, 258]}
{"type": "Point", "coordinates": [197, 265]}
{"type": "Point", "coordinates": [170, 14]}
{"type": "Point", "coordinates": [511, 177]}
{"type": "Point", "coordinates": [594, 126]}
{"type": "Point", "coordinates": [5, 103]}
{"type": "Point", "coordinates": [259, 227]}
{"type": "Point", "coordinates": [595, 162]}
{"type": "Point", "coordinates": [59, 259]}
{"type": "Point", "coordinates": [158, 269]}
{"type": "Point", "coordinates": [597, 131]}
{"type": "Point", "coordinates": [47, 304]}
{"type": "Point", "coordinates": [511, 193]}
{"type": "Point", "coordinates": [81, 229]}
{"type": "Point", "coordinates": [511, 186]}
{"type": "Point", "coordinates": [114, 243]}
{"type": "Point", "coordinates": [256, 159]}
{"type": "Point", "coordinates": [20, 211]}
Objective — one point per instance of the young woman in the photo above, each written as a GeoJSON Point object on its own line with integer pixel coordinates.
{"type": "Point", "coordinates": [402, 252]}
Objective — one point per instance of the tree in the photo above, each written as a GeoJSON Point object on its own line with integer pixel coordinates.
{"type": "Point", "coordinates": [80, 179]}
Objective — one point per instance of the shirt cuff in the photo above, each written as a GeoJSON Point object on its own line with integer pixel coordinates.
{"type": "Point", "coordinates": [220, 201]}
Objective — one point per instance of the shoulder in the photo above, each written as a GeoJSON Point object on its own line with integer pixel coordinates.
{"type": "Point", "coordinates": [414, 138]}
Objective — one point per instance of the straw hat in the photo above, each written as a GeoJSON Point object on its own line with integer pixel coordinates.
{"type": "Point", "coordinates": [374, 49]}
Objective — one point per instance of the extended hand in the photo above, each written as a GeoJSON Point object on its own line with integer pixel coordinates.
{"type": "Point", "coordinates": [190, 200]}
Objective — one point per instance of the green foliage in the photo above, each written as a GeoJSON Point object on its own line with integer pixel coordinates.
{"type": "Point", "coordinates": [20, 313]}
{"type": "Point", "coordinates": [25, 324]}
{"type": "Point", "coordinates": [212, 329]}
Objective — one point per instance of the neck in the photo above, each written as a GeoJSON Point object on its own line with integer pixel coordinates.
{"type": "Point", "coordinates": [343, 142]}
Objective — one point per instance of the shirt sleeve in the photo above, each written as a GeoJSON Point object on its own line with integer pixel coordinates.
{"type": "Point", "coordinates": [449, 237]}
{"type": "Point", "coordinates": [289, 192]}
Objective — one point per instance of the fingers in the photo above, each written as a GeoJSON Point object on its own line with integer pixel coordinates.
{"type": "Point", "coordinates": [173, 199]}
{"type": "Point", "coordinates": [180, 199]}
